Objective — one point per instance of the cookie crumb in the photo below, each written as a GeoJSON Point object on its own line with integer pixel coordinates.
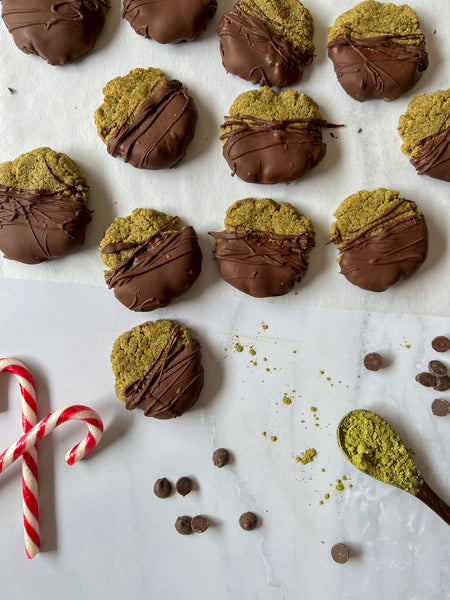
{"type": "Point", "coordinates": [11, 90]}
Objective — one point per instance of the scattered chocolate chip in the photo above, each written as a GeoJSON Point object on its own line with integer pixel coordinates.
{"type": "Point", "coordinates": [162, 488]}
{"type": "Point", "coordinates": [440, 407]}
{"type": "Point", "coordinates": [332, 135]}
{"type": "Point", "coordinates": [373, 361]}
{"type": "Point", "coordinates": [441, 343]}
{"type": "Point", "coordinates": [184, 486]}
{"type": "Point", "coordinates": [360, 130]}
{"type": "Point", "coordinates": [248, 521]}
{"type": "Point", "coordinates": [340, 553]}
{"type": "Point", "coordinates": [11, 91]}
{"type": "Point", "coordinates": [183, 525]}
{"type": "Point", "coordinates": [437, 368]}
{"type": "Point", "coordinates": [442, 384]}
{"type": "Point", "coordinates": [426, 379]}
{"type": "Point", "coordinates": [221, 457]}
{"type": "Point", "coordinates": [199, 524]}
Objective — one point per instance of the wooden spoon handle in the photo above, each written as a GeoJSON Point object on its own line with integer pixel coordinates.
{"type": "Point", "coordinates": [432, 500]}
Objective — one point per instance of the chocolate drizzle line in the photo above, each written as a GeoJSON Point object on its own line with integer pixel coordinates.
{"type": "Point", "coordinates": [434, 151]}
{"type": "Point", "coordinates": [68, 10]}
{"type": "Point", "coordinates": [174, 377]}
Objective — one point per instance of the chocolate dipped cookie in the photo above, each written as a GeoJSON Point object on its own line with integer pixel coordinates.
{"type": "Point", "coordinates": [58, 32]}
{"type": "Point", "coordinates": [381, 238]}
{"type": "Point", "coordinates": [378, 50]}
{"type": "Point", "coordinates": [272, 138]}
{"type": "Point", "coordinates": [157, 368]}
{"type": "Point", "coordinates": [169, 21]}
{"type": "Point", "coordinates": [147, 119]}
{"type": "Point", "coordinates": [264, 248]}
{"type": "Point", "coordinates": [425, 130]}
{"type": "Point", "coordinates": [43, 206]}
{"type": "Point", "coordinates": [150, 261]}
{"type": "Point", "coordinates": [267, 42]}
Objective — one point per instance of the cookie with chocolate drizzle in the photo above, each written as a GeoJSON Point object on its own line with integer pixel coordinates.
{"type": "Point", "coordinates": [150, 260]}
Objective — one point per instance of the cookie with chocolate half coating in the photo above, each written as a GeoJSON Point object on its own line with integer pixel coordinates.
{"type": "Point", "coordinates": [169, 21]}
{"type": "Point", "coordinates": [378, 50]}
{"type": "Point", "coordinates": [157, 368]}
{"type": "Point", "coordinates": [150, 260]}
{"type": "Point", "coordinates": [265, 247]}
{"type": "Point", "coordinates": [57, 31]}
{"type": "Point", "coordinates": [43, 206]}
{"type": "Point", "coordinates": [147, 119]}
{"type": "Point", "coordinates": [381, 237]}
{"type": "Point", "coordinates": [267, 42]}
{"type": "Point", "coordinates": [425, 130]}
{"type": "Point", "coordinates": [272, 138]}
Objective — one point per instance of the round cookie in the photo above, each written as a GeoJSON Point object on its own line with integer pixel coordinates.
{"type": "Point", "coordinates": [43, 206]}
{"type": "Point", "coordinates": [267, 42]}
{"type": "Point", "coordinates": [147, 119]}
{"type": "Point", "coordinates": [272, 138]}
{"type": "Point", "coordinates": [264, 248]}
{"type": "Point", "coordinates": [425, 130]}
{"type": "Point", "coordinates": [381, 238]}
{"type": "Point", "coordinates": [58, 32]}
{"type": "Point", "coordinates": [150, 261]}
{"type": "Point", "coordinates": [157, 368]}
{"type": "Point", "coordinates": [169, 21]}
{"type": "Point", "coordinates": [378, 50]}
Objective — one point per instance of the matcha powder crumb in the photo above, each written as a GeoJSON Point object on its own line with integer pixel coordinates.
{"type": "Point", "coordinates": [307, 456]}
{"type": "Point", "coordinates": [286, 399]}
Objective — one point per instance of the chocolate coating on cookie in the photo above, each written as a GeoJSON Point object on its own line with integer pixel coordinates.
{"type": "Point", "coordinates": [169, 21]}
{"type": "Point", "coordinates": [377, 67]}
{"type": "Point", "coordinates": [58, 32]}
{"type": "Point", "coordinates": [160, 132]}
{"type": "Point", "coordinates": [262, 264]}
{"type": "Point", "coordinates": [162, 267]}
{"type": "Point", "coordinates": [433, 158]}
{"type": "Point", "coordinates": [36, 225]}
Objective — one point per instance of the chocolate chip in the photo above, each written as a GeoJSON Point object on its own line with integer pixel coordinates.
{"type": "Point", "coordinates": [248, 521]}
{"type": "Point", "coordinates": [221, 457]}
{"type": "Point", "coordinates": [437, 368]}
{"type": "Point", "coordinates": [441, 343]}
{"type": "Point", "coordinates": [373, 361]}
{"type": "Point", "coordinates": [442, 384]}
{"type": "Point", "coordinates": [184, 486]}
{"type": "Point", "coordinates": [11, 91]}
{"type": "Point", "coordinates": [426, 379]}
{"type": "Point", "coordinates": [183, 525]}
{"type": "Point", "coordinates": [199, 524]}
{"type": "Point", "coordinates": [340, 553]}
{"type": "Point", "coordinates": [440, 407]}
{"type": "Point", "coordinates": [162, 488]}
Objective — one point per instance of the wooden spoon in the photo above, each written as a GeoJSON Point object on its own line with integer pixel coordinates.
{"type": "Point", "coordinates": [420, 490]}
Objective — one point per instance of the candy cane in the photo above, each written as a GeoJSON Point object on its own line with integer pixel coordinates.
{"type": "Point", "coordinates": [30, 460]}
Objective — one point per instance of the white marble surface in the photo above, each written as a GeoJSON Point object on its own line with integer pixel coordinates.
{"type": "Point", "coordinates": [106, 536]}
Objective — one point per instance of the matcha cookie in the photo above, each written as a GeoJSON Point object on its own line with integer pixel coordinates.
{"type": "Point", "coordinates": [147, 119]}
{"type": "Point", "coordinates": [378, 50]}
{"type": "Point", "coordinates": [381, 238]}
{"type": "Point", "coordinates": [43, 206]}
{"type": "Point", "coordinates": [157, 368]}
{"type": "Point", "coordinates": [425, 129]}
{"type": "Point", "coordinates": [267, 42]}
{"type": "Point", "coordinates": [150, 260]}
{"type": "Point", "coordinates": [169, 21]}
{"type": "Point", "coordinates": [271, 138]}
{"type": "Point", "coordinates": [58, 32]}
{"type": "Point", "coordinates": [264, 248]}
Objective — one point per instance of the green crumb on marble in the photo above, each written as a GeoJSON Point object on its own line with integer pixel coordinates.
{"type": "Point", "coordinates": [339, 485]}
{"type": "Point", "coordinates": [252, 351]}
{"type": "Point", "coordinates": [344, 478]}
{"type": "Point", "coordinates": [286, 399]}
{"type": "Point", "coordinates": [254, 363]}
{"type": "Point", "coordinates": [264, 326]}
{"type": "Point", "coordinates": [267, 369]}
{"type": "Point", "coordinates": [316, 424]}
{"type": "Point", "coordinates": [323, 470]}
{"type": "Point", "coordinates": [327, 496]}
{"type": "Point", "coordinates": [313, 409]}
{"type": "Point", "coordinates": [264, 433]}
{"type": "Point", "coordinates": [294, 351]}
{"type": "Point", "coordinates": [307, 456]}
{"type": "Point", "coordinates": [321, 502]}
{"type": "Point", "coordinates": [302, 421]}
{"type": "Point", "coordinates": [264, 359]}
{"type": "Point", "coordinates": [273, 438]}
{"type": "Point", "coordinates": [238, 347]}
{"type": "Point", "coordinates": [350, 485]}
{"type": "Point", "coordinates": [321, 371]}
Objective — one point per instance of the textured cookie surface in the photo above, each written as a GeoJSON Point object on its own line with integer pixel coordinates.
{"type": "Point", "coordinates": [425, 130]}
{"type": "Point", "coordinates": [272, 138]}
{"type": "Point", "coordinates": [382, 238]}
{"type": "Point", "coordinates": [378, 50]}
{"type": "Point", "coordinates": [264, 248]}
{"type": "Point", "coordinates": [58, 32]}
{"type": "Point", "coordinates": [267, 42]}
{"type": "Point", "coordinates": [43, 206]}
{"type": "Point", "coordinates": [157, 367]}
{"type": "Point", "coordinates": [150, 261]}
{"type": "Point", "coordinates": [147, 119]}
{"type": "Point", "coordinates": [169, 21]}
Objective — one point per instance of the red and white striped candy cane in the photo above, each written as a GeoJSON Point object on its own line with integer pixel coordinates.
{"type": "Point", "coordinates": [30, 460]}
